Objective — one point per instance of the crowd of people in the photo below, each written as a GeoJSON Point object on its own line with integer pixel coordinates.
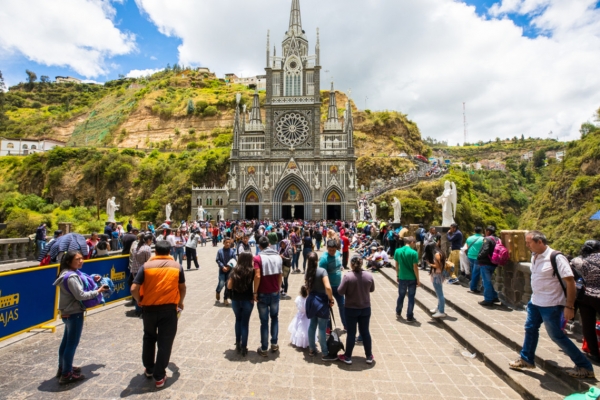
{"type": "Point", "coordinates": [256, 258]}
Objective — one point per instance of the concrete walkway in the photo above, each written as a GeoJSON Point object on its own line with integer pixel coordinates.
{"type": "Point", "coordinates": [412, 361]}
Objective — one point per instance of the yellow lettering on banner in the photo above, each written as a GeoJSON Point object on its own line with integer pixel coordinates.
{"type": "Point", "coordinates": [119, 287]}
{"type": "Point", "coordinates": [7, 316]}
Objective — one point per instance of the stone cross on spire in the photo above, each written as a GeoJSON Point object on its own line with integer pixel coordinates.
{"type": "Point", "coordinates": [295, 18]}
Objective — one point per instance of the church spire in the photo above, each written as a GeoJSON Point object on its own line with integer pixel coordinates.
{"type": "Point", "coordinates": [318, 49]}
{"type": "Point", "coordinates": [333, 122]}
{"type": "Point", "coordinates": [268, 49]}
{"type": "Point", "coordinates": [295, 18]}
{"type": "Point", "coordinates": [237, 126]}
{"type": "Point", "coordinates": [349, 121]}
{"type": "Point", "coordinates": [255, 124]}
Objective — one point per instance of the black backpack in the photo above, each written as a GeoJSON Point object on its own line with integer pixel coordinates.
{"type": "Point", "coordinates": [576, 276]}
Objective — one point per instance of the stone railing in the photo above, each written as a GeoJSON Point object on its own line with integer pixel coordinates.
{"type": "Point", "coordinates": [16, 250]}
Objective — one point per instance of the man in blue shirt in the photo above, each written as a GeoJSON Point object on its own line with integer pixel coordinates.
{"type": "Point", "coordinates": [332, 262]}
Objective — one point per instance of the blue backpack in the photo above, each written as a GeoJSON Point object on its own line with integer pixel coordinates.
{"type": "Point", "coordinates": [88, 285]}
{"type": "Point", "coordinates": [108, 282]}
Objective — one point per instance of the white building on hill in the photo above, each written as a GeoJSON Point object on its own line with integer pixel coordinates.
{"type": "Point", "coordinates": [23, 147]}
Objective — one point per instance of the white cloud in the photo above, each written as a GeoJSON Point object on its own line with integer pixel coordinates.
{"type": "Point", "coordinates": [78, 34]}
{"type": "Point", "coordinates": [423, 58]}
{"type": "Point", "coordinates": [138, 73]}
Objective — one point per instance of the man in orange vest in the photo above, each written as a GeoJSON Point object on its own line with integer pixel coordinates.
{"type": "Point", "coordinates": [159, 288]}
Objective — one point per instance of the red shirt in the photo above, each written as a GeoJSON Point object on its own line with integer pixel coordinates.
{"type": "Point", "coordinates": [215, 232]}
{"type": "Point", "coordinates": [345, 244]}
{"type": "Point", "coordinates": [268, 284]}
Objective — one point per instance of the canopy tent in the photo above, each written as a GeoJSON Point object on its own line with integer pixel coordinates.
{"type": "Point", "coordinates": [595, 217]}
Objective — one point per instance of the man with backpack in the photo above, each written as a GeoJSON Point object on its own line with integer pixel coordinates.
{"type": "Point", "coordinates": [487, 266]}
{"type": "Point", "coordinates": [224, 255]}
{"type": "Point", "coordinates": [474, 244]}
{"type": "Point", "coordinates": [554, 293]}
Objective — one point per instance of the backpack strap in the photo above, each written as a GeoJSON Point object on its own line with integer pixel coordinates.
{"type": "Point", "coordinates": [332, 317]}
{"type": "Point", "coordinates": [555, 273]}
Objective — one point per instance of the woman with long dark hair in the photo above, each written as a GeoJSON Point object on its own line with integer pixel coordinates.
{"type": "Point", "coordinates": [71, 308]}
{"type": "Point", "coordinates": [307, 248]}
{"type": "Point", "coordinates": [241, 284]}
{"type": "Point", "coordinates": [437, 261]}
{"type": "Point", "coordinates": [320, 292]}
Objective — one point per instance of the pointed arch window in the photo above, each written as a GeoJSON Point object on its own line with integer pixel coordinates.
{"type": "Point", "coordinates": [293, 77]}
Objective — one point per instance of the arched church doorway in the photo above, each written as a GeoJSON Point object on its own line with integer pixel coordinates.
{"type": "Point", "coordinates": [292, 203]}
{"type": "Point", "coordinates": [333, 200]}
{"type": "Point", "coordinates": [252, 209]}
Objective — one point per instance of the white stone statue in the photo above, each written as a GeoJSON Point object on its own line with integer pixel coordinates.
{"type": "Point", "coordinates": [448, 201]}
{"type": "Point", "coordinates": [373, 209]}
{"type": "Point", "coordinates": [221, 214]}
{"type": "Point", "coordinates": [168, 211]}
{"type": "Point", "coordinates": [361, 211]}
{"type": "Point", "coordinates": [317, 182]}
{"type": "Point", "coordinates": [111, 208]}
{"type": "Point", "coordinates": [233, 179]}
{"type": "Point", "coordinates": [353, 215]}
{"type": "Point", "coordinates": [201, 213]}
{"type": "Point", "coordinates": [267, 184]}
{"type": "Point", "coordinates": [351, 177]}
{"type": "Point", "coordinates": [397, 210]}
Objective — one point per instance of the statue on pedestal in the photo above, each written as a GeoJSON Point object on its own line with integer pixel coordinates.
{"type": "Point", "coordinates": [373, 209]}
{"type": "Point", "coordinates": [397, 210]}
{"type": "Point", "coordinates": [200, 213]}
{"type": "Point", "coordinates": [221, 214]}
{"type": "Point", "coordinates": [111, 208]}
{"type": "Point", "coordinates": [448, 200]}
{"type": "Point", "coordinates": [361, 211]}
{"type": "Point", "coordinates": [354, 215]}
{"type": "Point", "coordinates": [168, 211]}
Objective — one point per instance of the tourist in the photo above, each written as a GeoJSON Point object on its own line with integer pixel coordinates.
{"type": "Point", "coordinates": [318, 234]}
{"type": "Point", "coordinates": [407, 265]}
{"type": "Point", "coordinates": [128, 239]}
{"type": "Point", "coordinates": [91, 243]}
{"type": "Point", "coordinates": [71, 308]}
{"type": "Point", "coordinates": [179, 248]}
{"type": "Point", "coordinates": [286, 253]}
{"type": "Point", "coordinates": [455, 237]}
{"type": "Point", "coordinates": [268, 275]}
{"type": "Point", "coordinates": [318, 304]}
{"type": "Point", "coordinates": [215, 236]}
{"type": "Point", "coordinates": [437, 262]}
{"type": "Point", "coordinates": [202, 235]}
{"type": "Point", "coordinates": [588, 267]}
{"type": "Point", "coordinates": [474, 244]}
{"type": "Point", "coordinates": [345, 248]}
{"type": "Point", "coordinates": [224, 255]}
{"type": "Point", "coordinates": [103, 247]}
{"type": "Point", "coordinates": [331, 261]}
{"type": "Point", "coordinates": [298, 328]}
{"type": "Point", "coordinates": [273, 238]}
{"type": "Point", "coordinates": [296, 243]}
{"type": "Point", "coordinates": [377, 259]}
{"type": "Point", "coordinates": [151, 228]}
{"type": "Point", "coordinates": [40, 237]}
{"type": "Point", "coordinates": [547, 304]}
{"type": "Point", "coordinates": [487, 268]}
{"type": "Point", "coordinates": [141, 253]}
{"type": "Point", "coordinates": [244, 245]}
{"type": "Point", "coordinates": [190, 250]}
{"type": "Point", "coordinates": [240, 284]}
{"type": "Point", "coordinates": [357, 287]}
{"type": "Point", "coordinates": [159, 287]}
{"type": "Point", "coordinates": [307, 248]}
{"type": "Point", "coordinates": [129, 226]}
{"type": "Point", "coordinates": [170, 237]}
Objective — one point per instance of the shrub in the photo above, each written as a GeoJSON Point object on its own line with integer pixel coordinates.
{"type": "Point", "coordinates": [65, 204]}
{"type": "Point", "coordinates": [177, 131]}
{"type": "Point", "coordinates": [201, 105]}
{"type": "Point", "coordinates": [210, 111]}
{"type": "Point", "coordinates": [36, 104]}
{"type": "Point", "coordinates": [191, 131]}
{"type": "Point", "coordinates": [223, 140]}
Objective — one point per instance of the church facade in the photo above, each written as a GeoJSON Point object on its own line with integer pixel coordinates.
{"type": "Point", "coordinates": [292, 165]}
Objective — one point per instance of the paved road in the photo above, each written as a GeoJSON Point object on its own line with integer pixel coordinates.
{"type": "Point", "coordinates": [419, 361]}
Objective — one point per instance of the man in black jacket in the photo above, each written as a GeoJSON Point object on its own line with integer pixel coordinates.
{"type": "Point", "coordinates": [490, 296]}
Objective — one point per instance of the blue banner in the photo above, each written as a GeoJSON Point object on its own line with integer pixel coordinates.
{"type": "Point", "coordinates": [115, 268]}
{"type": "Point", "coordinates": [27, 299]}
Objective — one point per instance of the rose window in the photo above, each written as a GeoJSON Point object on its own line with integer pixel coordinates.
{"type": "Point", "coordinates": [292, 129]}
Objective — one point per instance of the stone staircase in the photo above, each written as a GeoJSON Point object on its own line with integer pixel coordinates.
{"type": "Point", "coordinates": [496, 335]}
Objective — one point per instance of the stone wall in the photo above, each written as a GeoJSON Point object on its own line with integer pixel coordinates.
{"type": "Point", "coordinates": [513, 283]}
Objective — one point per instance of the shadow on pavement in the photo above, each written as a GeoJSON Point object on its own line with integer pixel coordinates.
{"type": "Point", "coordinates": [52, 386]}
{"type": "Point", "coordinates": [139, 384]}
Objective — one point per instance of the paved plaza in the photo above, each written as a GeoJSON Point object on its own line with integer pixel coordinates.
{"type": "Point", "coordinates": [412, 361]}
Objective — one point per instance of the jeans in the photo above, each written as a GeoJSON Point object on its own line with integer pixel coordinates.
{"type": "Point", "coordinates": [339, 299]}
{"type": "Point", "coordinates": [178, 253]}
{"type": "Point", "coordinates": [305, 254]}
{"type": "Point", "coordinates": [475, 274]}
{"type": "Point", "coordinates": [295, 259]}
{"type": "Point", "coordinates": [312, 329]}
{"type": "Point", "coordinates": [550, 316]}
{"type": "Point", "coordinates": [438, 280]}
{"type": "Point", "coordinates": [345, 259]}
{"type": "Point", "coordinates": [41, 245]}
{"type": "Point", "coordinates": [70, 341]}
{"type": "Point", "coordinates": [285, 282]}
{"type": "Point", "coordinates": [318, 243]}
{"type": "Point", "coordinates": [487, 272]}
{"type": "Point", "coordinates": [361, 317]}
{"type": "Point", "coordinates": [405, 286]}
{"type": "Point", "coordinates": [223, 278]}
{"type": "Point", "coordinates": [190, 255]}
{"type": "Point", "coordinates": [242, 310]}
{"type": "Point", "coordinates": [160, 328]}
{"type": "Point", "coordinates": [215, 240]}
{"type": "Point", "coordinates": [268, 305]}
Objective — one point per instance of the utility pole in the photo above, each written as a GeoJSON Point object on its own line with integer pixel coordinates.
{"type": "Point", "coordinates": [465, 121]}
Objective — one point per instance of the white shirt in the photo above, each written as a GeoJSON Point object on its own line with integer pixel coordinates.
{"type": "Point", "coordinates": [171, 240]}
{"type": "Point", "coordinates": [381, 257]}
{"type": "Point", "coordinates": [547, 291]}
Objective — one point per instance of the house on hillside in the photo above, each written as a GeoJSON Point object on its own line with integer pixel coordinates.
{"type": "Point", "coordinates": [23, 147]}
{"type": "Point", "coordinates": [527, 156]}
{"type": "Point", "coordinates": [203, 70]}
{"type": "Point", "coordinates": [258, 82]}
{"type": "Point", "coordinates": [65, 79]}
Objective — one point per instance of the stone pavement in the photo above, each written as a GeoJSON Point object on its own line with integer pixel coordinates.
{"type": "Point", "coordinates": [412, 361]}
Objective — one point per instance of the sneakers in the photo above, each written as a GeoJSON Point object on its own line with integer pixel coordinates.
{"type": "Point", "coordinates": [496, 300]}
{"type": "Point", "coordinates": [274, 348]}
{"type": "Point", "coordinates": [473, 291]}
{"type": "Point", "coordinates": [330, 357]}
{"type": "Point", "coordinates": [358, 339]}
{"type": "Point", "coordinates": [225, 302]}
{"type": "Point", "coordinates": [370, 359]}
{"type": "Point", "coordinates": [412, 319]}
{"type": "Point", "coordinates": [244, 351]}
{"type": "Point", "coordinates": [218, 296]}
{"type": "Point", "coordinates": [438, 315]}
{"type": "Point", "coordinates": [147, 374]}
{"type": "Point", "coordinates": [262, 352]}
{"type": "Point", "coordinates": [71, 378]}
{"type": "Point", "coordinates": [328, 331]}
{"type": "Point", "coordinates": [77, 370]}
{"type": "Point", "coordinates": [580, 373]}
{"type": "Point", "coordinates": [344, 359]}
{"type": "Point", "coordinates": [161, 383]}
{"type": "Point", "coordinates": [238, 348]}
{"type": "Point", "coordinates": [486, 303]}
{"type": "Point", "coordinates": [453, 281]}
{"type": "Point", "coordinates": [519, 364]}
{"type": "Point", "coordinates": [433, 310]}
{"type": "Point", "coordinates": [313, 353]}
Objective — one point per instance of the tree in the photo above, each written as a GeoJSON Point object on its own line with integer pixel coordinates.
{"type": "Point", "coordinates": [522, 137]}
{"type": "Point", "coordinates": [44, 79]}
{"type": "Point", "coordinates": [515, 139]}
{"type": "Point", "coordinates": [539, 158]}
{"type": "Point", "coordinates": [3, 117]}
{"type": "Point", "coordinates": [31, 78]}
{"type": "Point", "coordinates": [587, 128]}
{"type": "Point", "coordinates": [190, 107]}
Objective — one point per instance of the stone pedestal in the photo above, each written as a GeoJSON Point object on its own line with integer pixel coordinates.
{"type": "Point", "coordinates": [65, 227]}
{"type": "Point", "coordinates": [144, 225]}
{"type": "Point", "coordinates": [514, 241]}
{"type": "Point", "coordinates": [445, 245]}
{"type": "Point", "coordinates": [412, 230]}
